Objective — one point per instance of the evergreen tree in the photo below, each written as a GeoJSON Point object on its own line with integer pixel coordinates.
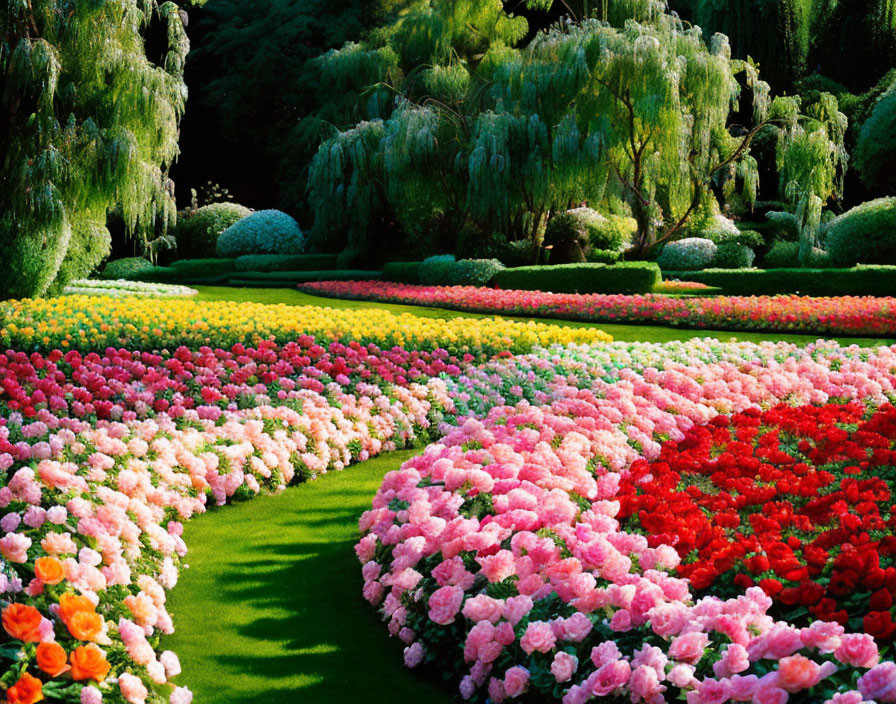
{"type": "Point", "coordinates": [854, 41]}
{"type": "Point", "coordinates": [88, 122]}
{"type": "Point", "coordinates": [774, 33]}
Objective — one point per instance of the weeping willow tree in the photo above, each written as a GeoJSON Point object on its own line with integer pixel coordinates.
{"type": "Point", "coordinates": [88, 123]}
{"type": "Point", "coordinates": [774, 33]}
{"type": "Point", "coordinates": [640, 116]}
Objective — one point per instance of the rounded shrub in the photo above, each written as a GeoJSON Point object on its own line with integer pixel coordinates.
{"type": "Point", "coordinates": [875, 154]}
{"type": "Point", "coordinates": [574, 233]}
{"type": "Point", "coordinates": [519, 253]}
{"type": "Point", "coordinates": [689, 254]}
{"type": "Point", "coordinates": [786, 255]}
{"type": "Point", "coordinates": [732, 255]}
{"type": "Point", "coordinates": [130, 268]}
{"type": "Point", "coordinates": [717, 228]}
{"type": "Point", "coordinates": [864, 235]}
{"type": "Point", "coordinates": [474, 272]}
{"type": "Point", "coordinates": [262, 232]}
{"type": "Point", "coordinates": [197, 231]}
{"type": "Point", "coordinates": [437, 270]}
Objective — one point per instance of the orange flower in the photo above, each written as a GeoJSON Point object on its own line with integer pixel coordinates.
{"type": "Point", "coordinates": [22, 622]}
{"type": "Point", "coordinates": [89, 663]}
{"type": "Point", "coordinates": [52, 659]}
{"type": "Point", "coordinates": [49, 570]}
{"type": "Point", "coordinates": [85, 625]}
{"type": "Point", "coordinates": [70, 604]}
{"type": "Point", "coordinates": [26, 691]}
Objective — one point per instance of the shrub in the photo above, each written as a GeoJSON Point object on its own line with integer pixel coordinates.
{"type": "Point", "coordinates": [30, 264]}
{"type": "Point", "coordinates": [629, 277]}
{"type": "Point", "coordinates": [786, 255]}
{"type": "Point", "coordinates": [197, 231]}
{"type": "Point", "coordinates": [436, 271]}
{"type": "Point", "coordinates": [192, 269]}
{"type": "Point", "coordinates": [783, 225]}
{"type": "Point", "coordinates": [352, 258]}
{"type": "Point", "coordinates": [866, 234]}
{"type": "Point", "coordinates": [474, 272]}
{"type": "Point", "coordinates": [603, 256]}
{"type": "Point", "coordinates": [859, 281]}
{"type": "Point", "coordinates": [89, 245]}
{"type": "Point", "coordinates": [286, 262]}
{"type": "Point", "coordinates": [750, 238]}
{"type": "Point", "coordinates": [716, 228]}
{"type": "Point", "coordinates": [875, 153]}
{"type": "Point", "coordinates": [402, 272]}
{"type": "Point", "coordinates": [689, 254]}
{"type": "Point", "coordinates": [262, 232]}
{"type": "Point", "coordinates": [519, 253]}
{"type": "Point", "coordinates": [572, 234]}
{"type": "Point", "coordinates": [732, 255]}
{"type": "Point", "coordinates": [129, 268]}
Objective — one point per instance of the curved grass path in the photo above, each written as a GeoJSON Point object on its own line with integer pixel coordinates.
{"type": "Point", "coordinates": [270, 611]}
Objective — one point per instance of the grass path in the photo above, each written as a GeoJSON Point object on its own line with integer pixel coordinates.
{"type": "Point", "coordinates": [625, 333]}
{"type": "Point", "coordinates": [270, 611]}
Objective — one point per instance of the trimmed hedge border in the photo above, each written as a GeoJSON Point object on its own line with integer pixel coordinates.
{"type": "Point", "coordinates": [202, 268]}
{"type": "Point", "coordinates": [627, 277]}
{"type": "Point", "coordinates": [402, 272]}
{"type": "Point", "coordinates": [286, 262]}
{"type": "Point", "coordinates": [858, 281]}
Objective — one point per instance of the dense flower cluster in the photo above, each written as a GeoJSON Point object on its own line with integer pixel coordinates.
{"type": "Point", "coordinates": [798, 500]}
{"type": "Point", "coordinates": [123, 287]}
{"type": "Point", "coordinates": [675, 286]}
{"type": "Point", "coordinates": [844, 315]}
{"type": "Point", "coordinates": [90, 323]}
{"type": "Point", "coordinates": [104, 457]}
{"type": "Point", "coordinates": [498, 555]}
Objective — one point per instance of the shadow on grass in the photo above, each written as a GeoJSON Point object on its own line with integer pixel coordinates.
{"type": "Point", "coordinates": [271, 611]}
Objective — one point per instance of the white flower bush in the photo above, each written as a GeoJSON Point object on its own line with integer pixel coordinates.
{"type": "Point", "coordinates": [123, 287]}
{"type": "Point", "coordinates": [690, 254]}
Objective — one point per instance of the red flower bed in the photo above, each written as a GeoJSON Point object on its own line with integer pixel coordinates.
{"type": "Point", "coordinates": [796, 500]}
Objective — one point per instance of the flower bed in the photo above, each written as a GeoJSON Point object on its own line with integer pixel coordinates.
{"type": "Point", "coordinates": [798, 500]}
{"type": "Point", "coordinates": [497, 556]}
{"type": "Point", "coordinates": [122, 287]}
{"type": "Point", "coordinates": [90, 323]}
{"type": "Point", "coordinates": [104, 457]}
{"type": "Point", "coordinates": [845, 315]}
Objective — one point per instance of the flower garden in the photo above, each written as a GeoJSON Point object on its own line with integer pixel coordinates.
{"type": "Point", "coordinates": [448, 351]}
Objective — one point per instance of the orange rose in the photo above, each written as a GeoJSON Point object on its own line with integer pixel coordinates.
{"type": "Point", "coordinates": [52, 659]}
{"type": "Point", "coordinates": [22, 622]}
{"type": "Point", "coordinates": [26, 691]}
{"type": "Point", "coordinates": [85, 625]}
{"type": "Point", "coordinates": [49, 570]}
{"type": "Point", "coordinates": [69, 604]}
{"type": "Point", "coordinates": [89, 663]}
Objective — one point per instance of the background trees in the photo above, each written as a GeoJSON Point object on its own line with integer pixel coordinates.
{"type": "Point", "coordinates": [89, 122]}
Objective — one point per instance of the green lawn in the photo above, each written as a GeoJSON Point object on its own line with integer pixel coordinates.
{"type": "Point", "coordinates": [626, 333]}
{"type": "Point", "coordinates": [270, 611]}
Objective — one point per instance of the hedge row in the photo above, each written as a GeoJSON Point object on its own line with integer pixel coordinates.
{"type": "Point", "coordinates": [628, 277]}
{"type": "Point", "coordinates": [859, 281]}
{"type": "Point", "coordinates": [286, 262]}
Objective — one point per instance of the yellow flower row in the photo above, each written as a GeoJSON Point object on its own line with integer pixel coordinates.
{"type": "Point", "coordinates": [97, 322]}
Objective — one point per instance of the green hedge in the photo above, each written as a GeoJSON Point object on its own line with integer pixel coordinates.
{"type": "Point", "coordinates": [202, 268]}
{"type": "Point", "coordinates": [291, 278]}
{"type": "Point", "coordinates": [860, 281]}
{"type": "Point", "coordinates": [402, 272]}
{"type": "Point", "coordinates": [286, 262]}
{"type": "Point", "coordinates": [629, 277]}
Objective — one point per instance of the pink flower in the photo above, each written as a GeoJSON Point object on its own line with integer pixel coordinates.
{"type": "Point", "coordinates": [444, 604]}
{"type": "Point", "coordinates": [797, 672]}
{"type": "Point", "coordinates": [181, 695]}
{"type": "Point", "coordinates": [610, 677]}
{"type": "Point", "coordinates": [564, 666]}
{"type": "Point", "coordinates": [413, 655]}
{"type": "Point", "coordinates": [538, 636]}
{"type": "Point", "coordinates": [689, 648]}
{"type": "Point", "coordinates": [857, 649]}
{"type": "Point", "coordinates": [515, 681]}
{"type": "Point", "coordinates": [91, 695]}
{"type": "Point", "coordinates": [132, 689]}
{"type": "Point", "coordinates": [879, 683]}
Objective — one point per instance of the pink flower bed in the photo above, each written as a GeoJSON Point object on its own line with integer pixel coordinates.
{"type": "Point", "coordinates": [102, 459]}
{"type": "Point", "coordinates": [844, 315]}
{"type": "Point", "coordinates": [496, 556]}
